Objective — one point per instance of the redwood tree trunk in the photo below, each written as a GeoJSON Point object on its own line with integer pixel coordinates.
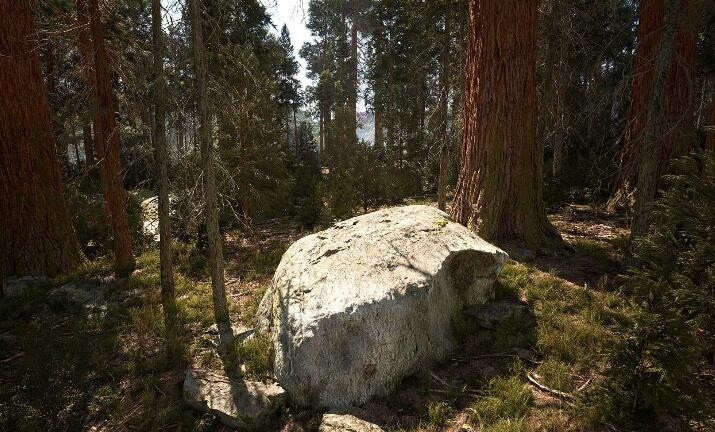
{"type": "Point", "coordinates": [499, 191]}
{"type": "Point", "coordinates": [161, 156]}
{"type": "Point", "coordinates": [210, 195]}
{"type": "Point", "coordinates": [107, 148]}
{"type": "Point", "coordinates": [651, 147]}
{"type": "Point", "coordinates": [678, 113]}
{"type": "Point", "coordinates": [37, 237]}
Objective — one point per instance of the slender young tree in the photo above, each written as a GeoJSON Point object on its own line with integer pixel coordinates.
{"type": "Point", "coordinates": [37, 237]}
{"type": "Point", "coordinates": [443, 176]}
{"type": "Point", "coordinates": [161, 158]}
{"type": "Point", "coordinates": [354, 14]}
{"type": "Point", "coordinates": [553, 82]}
{"type": "Point", "coordinates": [499, 190]}
{"type": "Point", "coordinates": [107, 147]}
{"type": "Point", "coordinates": [85, 50]}
{"type": "Point", "coordinates": [209, 176]}
{"type": "Point", "coordinates": [710, 139]}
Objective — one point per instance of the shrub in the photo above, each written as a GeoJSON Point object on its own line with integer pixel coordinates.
{"type": "Point", "coordinates": [653, 374]}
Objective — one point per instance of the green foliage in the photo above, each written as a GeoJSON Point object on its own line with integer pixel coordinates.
{"type": "Point", "coordinates": [508, 401]}
{"type": "Point", "coordinates": [513, 279]}
{"type": "Point", "coordinates": [655, 364]}
{"type": "Point", "coordinates": [84, 198]}
{"type": "Point", "coordinates": [507, 425]}
{"type": "Point", "coordinates": [308, 202]}
{"type": "Point", "coordinates": [556, 374]}
{"type": "Point", "coordinates": [256, 354]}
{"type": "Point", "coordinates": [437, 414]}
{"type": "Point", "coordinates": [593, 249]}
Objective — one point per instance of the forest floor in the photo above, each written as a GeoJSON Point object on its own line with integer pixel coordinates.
{"type": "Point", "coordinates": [64, 368]}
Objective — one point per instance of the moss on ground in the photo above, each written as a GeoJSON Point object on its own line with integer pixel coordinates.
{"type": "Point", "coordinates": [109, 370]}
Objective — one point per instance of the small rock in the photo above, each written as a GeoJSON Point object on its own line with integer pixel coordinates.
{"type": "Point", "coordinates": [238, 332]}
{"type": "Point", "coordinates": [238, 403]}
{"type": "Point", "coordinates": [491, 314]}
{"type": "Point", "coordinates": [87, 295]}
{"type": "Point", "coordinates": [346, 423]}
{"type": "Point", "coordinates": [13, 287]}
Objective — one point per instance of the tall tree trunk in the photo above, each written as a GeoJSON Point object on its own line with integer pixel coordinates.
{"type": "Point", "coordinates": [499, 191]}
{"type": "Point", "coordinates": [656, 107]}
{"type": "Point", "coordinates": [75, 144]}
{"type": "Point", "coordinates": [710, 138]}
{"type": "Point", "coordinates": [107, 147]}
{"type": "Point", "coordinates": [37, 236]}
{"type": "Point", "coordinates": [180, 134]}
{"type": "Point", "coordinates": [679, 110]}
{"type": "Point", "coordinates": [379, 132]}
{"type": "Point", "coordinates": [322, 130]}
{"type": "Point", "coordinates": [443, 103]}
{"type": "Point", "coordinates": [161, 156]}
{"type": "Point", "coordinates": [86, 54]}
{"type": "Point", "coordinates": [88, 144]}
{"type": "Point", "coordinates": [552, 84]}
{"type": "Point", "coordinates": [207, 161]}
{"type": "Point", "coordinates": [353, 66]}
{"type": "Point", "coordinates": [295, 131]}
{"type": "Point", "coordinates": [51, 83]}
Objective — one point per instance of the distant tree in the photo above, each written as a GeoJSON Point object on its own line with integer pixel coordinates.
{"type": "Point", "coordinates": [288, 87]}
{"type": "Point", "coordinates": [308, 202]}
{"type": "Point", "coordinates": [677, 114]}
{"type": "Point", "coordinates": [499, 191]}
{"type": "Point", "coordinates": [650, 145]}
{"type": "Point", "coordinates": [107, 146]}
{"type": "Point", "coordinates": [37, 237]}
{"type": "Point", "coordinates": [161, 157]}
{"type": "Point", "coordinates": [87, 57]}
{"type": "Point", "coordinates": [353, 91]}
{"type": "Point", "coordinates": [209, 177]}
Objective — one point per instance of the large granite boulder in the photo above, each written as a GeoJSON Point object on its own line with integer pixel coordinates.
{"type": "Point", "coordinates": [355, 308]}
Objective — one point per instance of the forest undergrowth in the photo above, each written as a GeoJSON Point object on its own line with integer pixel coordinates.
{"type": "Point", "coordinates": [106, 368]}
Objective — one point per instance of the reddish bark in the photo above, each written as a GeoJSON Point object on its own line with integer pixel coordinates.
{"type": "Point", "coordinates": [37, 237]}
{"type": "Point", "coordinates": [679, 113]}
{"type": "Point", "coordinates": [106, 144]}
{"type": "Point", "coordinates": [499, 191]}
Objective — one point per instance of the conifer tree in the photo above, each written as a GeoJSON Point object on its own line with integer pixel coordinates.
{"type": "Point", "coordinates": [499, 191]}
{"type": "Point", "coordinates": [37, 237]}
